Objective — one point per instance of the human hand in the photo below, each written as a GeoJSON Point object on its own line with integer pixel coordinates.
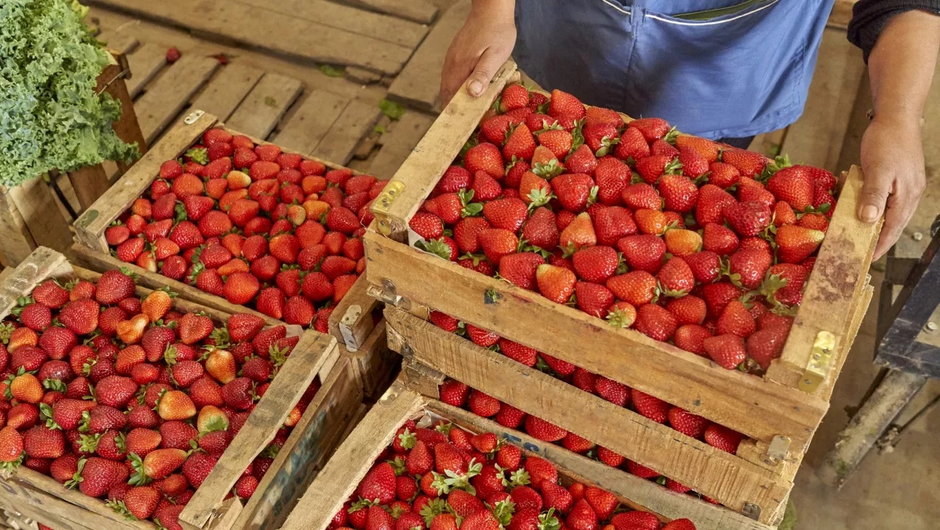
{"type": "Point", "coordinates": [479, 49]}
{"type": "Point", "coordinates": [893, 164]}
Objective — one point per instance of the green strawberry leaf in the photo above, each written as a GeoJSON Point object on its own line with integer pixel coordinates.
{"type": "Point", "coordinates": [200, 156]}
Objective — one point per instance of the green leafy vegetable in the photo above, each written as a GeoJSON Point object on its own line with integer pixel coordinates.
{"type": "Point", "coordinates": [50, 115]}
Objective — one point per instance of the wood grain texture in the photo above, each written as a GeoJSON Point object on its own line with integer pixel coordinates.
{"type": "Point", "coordinates": [662, 370]}
{"type": "Point", "coordinates": [17, 242]}
{"type": "Point", "coordinates": [43, 216]}
{"type": "Point", "coordinates": [118, 41]}
{"type": "Point", "coordinates": [352, 321]}
{"type": "Point", "coordinates": [420, 11]}
{"type": "Point", "coordinates": [398, 143]}
{"type": "Point", "coordinates": [727, 478]}
{"type": "Point", "coordinates": [145, 63]}
{"type": "Point", "coordinates": [311, 120]}
{"type": "Point", "coordinates": [259, 27]}
{"type": "Point", "coordinates": [419, 82]}
{"type": "Point", "coordinates": [263, 107]}
{"type": "Point", "coordinates": [339, 143]}
{"type": "Point", "coordinates": [227, 89]}
{"type": "Point", "coordinates": [169, 94]}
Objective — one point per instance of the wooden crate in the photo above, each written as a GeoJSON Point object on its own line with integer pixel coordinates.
{"type": "Point", "coordinates": [779, 411]}
{"type": "Point", "coordinates": [32, 215]}
{"type": "Point", "coordinates": [402, 402]}
{"type": "Point", "coordinates": [375, 365]}
{"type": "Point", "coordinates": [323, 425]}
{"type": "Point", "coordinates": [351, 321]}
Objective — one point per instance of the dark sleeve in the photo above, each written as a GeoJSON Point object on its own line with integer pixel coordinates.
{"type": "Point", "coordinates": [869, 18]}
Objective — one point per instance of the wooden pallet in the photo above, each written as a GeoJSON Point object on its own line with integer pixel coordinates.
{"type": "Point", "coordinates": [403, 401]}
{"type": "Point", "coordinates": [32, 215]}
{"type": "Point", "coordinates": [375, 365]}
{"type": "Point", "coordinates": [351, 322]}
{"type": "Point", "coordinates": [780, 411]}
{"type": "Point", "coordinates": [322, 426]}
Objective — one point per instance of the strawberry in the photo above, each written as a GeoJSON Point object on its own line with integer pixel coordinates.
{"type": "Point", "coordinates": [813, 220]}
{"type": "Point", "coordinates": [651, 221]}
{"type": "Point", "coordinates": [642, 252]}
{"type": "Point", "coordinates": [680, 524]}
{"type": "Point", "coordinates": [176, 405]}
{"type": "Point", "coordinates": [796, 243]}
{"type": "Point", "coordinates": [723, 175]}
{"type": "Point", "coordinates": [497, 242]}
{"type": "Point", "coordinates": [687, 423]}
{"type": "Point", "coordinates": [595, 264]}
{"type": "Point", "coordinates": [26, 388]}
{"type": "Point", "coordinates": [600, 137]}
{"type": "Point", "coordinates": [554, 496]}
{"type": "Point", "coordinates": [750, 190]}
{"type": "Point", "coordinates": [719, 239]}
{"type": "Point", "coordinates": [453, 393]}
{"type": "Point", "coordinates": [493, 130]}
{"type": "Point", "coordinates": [158, 464]}
{"type": "Point", "coordinates": [649, 406]}
{"type": "Point", "coordinates": [794, 186]}
{"type": "Point", "coordinates": [427, 225]}
{"type": "Point", "coordinates": [579, 233]}
{"type": "Point", "coordinates": [602, 502]}
{"type": "Point", "coordinates": [194, 328]}
{"type": "Point", "coordinates": [514, 96]}
{"type": "Point", "coordinates": [632, 145]}
{"type": "Point", "coordinates": [186, 235]}
{"type": "Point", "coordinates": [540, 229]}
{"type": "Point", "coordinates": [675, 277]}
{"type": "Point", "coordinates": [508, 214]}
{"type": "Point", "coordinates": [50, 294]}
{"type": "Point", "coordinates": [651, 128]}
{"type": "Point", "coordinates": [573, 190]}
{"type": "Point", "coordinates": [485, 157]}
{"type": "Point", "coordinates": [723, 438]}
{"type": "Point", "coordinates": [42, 442]}
{"type": "Point", "coordinates": [481, 520]}
{"type": "Point", "coordinates": [534, 190]}
{"type": "Point", "coordinates": [712, 201]}
{"type": "Point", "coordinates": [582, 160]}
{"type": "Point", "coordinates": [555, 283]}
{"type": "Point", "coordinates": [96, 475]}
{"type": "Point", "coordinates": [482, 404]}
{"type": "Point", "coordinates": [520, 268]}
{"type": "Point", "coordinates": [520, 144]}
{"type": "Point", "coordinates": [298, 310]}
{"type": "Point", "coordinates": [558, 141]}
{"type": "Point", "coordinates": [141, 502]}
{"type": "Point", "coordinates": [610, 390]}
{"type": "Point", "coordinates": [636, 287]}
{"type": "Point", "coordinates": [726, 350]}
{"type": "Point", "coordinates": [747, 218]}
{"type": "Point", "coordinates": [566, 108]}
{"type": "Point", "coordinates": [748, 267]}
{"type": "Point", "coordinates": [688, 309]}
{"type": "Point", "coordinates": [785, 283]}
{"type": "Point", "coordinates": [748, 163]}
{"type": "Point", "coordinates": [735, 319]}
{"type": "Point", "coordinates": [679, 193]}
{"type": "Point", "coordinates": [543, 430]}
{"type": "Point", "coordinates": [652, 167]}
{"type": "Point", "coordinates": [655, 322]}
{"type": "Point", "coordinates": [57, 342]}
{"type": "Point", "coordinates": [682, 242]}
{"type": "Point", "coordinates": [36, 316]}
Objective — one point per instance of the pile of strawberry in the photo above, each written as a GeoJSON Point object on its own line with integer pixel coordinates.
{"type": "Point", "coordinates": [126, 398]}
{"type": "Point", "coordinates": [459, 395]}
{"type": "Point", "coordinates": [681, 238]}
{"type": "Point", "coordinates": [443, 478]}
{"type": "Point", "coordinates": [260, 227]}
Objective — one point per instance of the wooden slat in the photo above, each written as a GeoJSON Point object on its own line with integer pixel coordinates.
{"type": "Point", "coordinates": [434, 154]}
{"type": "Point", "coordinates": [37, 266]}
{"type": "Point", "coordinates": [352, 460]}
{"type": "Point", "coordinates": [41, 213]}
{"type": "Point", "coordinates": [169, 94]}
{"type": "Point", "coordinates": [90, 226]}
{"type": "Point", "coordinates": [311, 121]}
{"type": "Point", "coordinates": [833, 288]}
{"type": "Point", "coordinates": [89, 183]}
{"type": "Point", "coordinates": [684, 379]}
{"type": "Point", "coordinates": [398, 143]}
{"type": "Point", "coordinates": [263, 107]}
{"type": "Point", "coordinates": [126, 127]}
{"type": "Point", "coordinates": [16, 243]}
{"type": "Point", "coordinates": [351, 322]}
{"type": "Point", "coordinates": [419, 82]}
{"type": "Point", "coordinates": [417, 10]}
{"type": "Point", "coordinates": [725, 477]}
{"type": "Point", "coordinates": [378, 26]}
{"type": "Point", "coordinates": [816, 138]}
{"type": "Point", "coordinates": [145, 62]}
{"type": "Point", "coordinates": [637, 492]}
{"type": "Point", "coordinates": [227, 89]}
{"type": "Point", "coordinates": [285, 391]}
{"type": "Point", "coordinates": [356, 120]}
{"type": "Point", "coordinates": [118, 41]}
{"type": "Point", "coordinates": [258, 27]}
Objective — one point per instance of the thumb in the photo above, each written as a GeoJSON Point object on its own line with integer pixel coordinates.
{"type": "Point", "coordinates": [483, 72]}
{"type": "Point", "coordinates": [875, 192]}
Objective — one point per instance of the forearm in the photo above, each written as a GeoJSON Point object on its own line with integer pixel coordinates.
{"type": "Point", "coordinates": [495, 10]}
{"type": "Point", "coordinates": [901, 66]}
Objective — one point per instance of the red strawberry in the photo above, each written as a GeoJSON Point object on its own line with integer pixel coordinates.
{"type": "Point", "coordinates": [747, 162]}
{"type": "Point", "coordinates": [514, 96]}
{"type": "Point", "coordinates": [642, 252]}
{"type": "Point", "coordinates": [681, 242]}
{"type": "Point", "coordinates": [573, 190]}
{"type": "Point", "coordinates": [611, 224]}
{"type": "Point", "coordinates": [726, 350]}
{"type": "Point", "coordinates": [579, 233]}
{"type": "Point", "coordinates": [719, 239]}
{"type": "Point", "coordinates": [50, 294]}
{"type": "Point", "coordinates": [520, 268]}
{"type": "Point", "coordinates": [679, 193]}
{"type": "Point", "coordinates": [555, 283]}
{"type": "Point", "coordinates": [712, 201]}
{"type": "Point", "coordinates": [635, 287]}
{"type": "Point", "coordinates": [543, 430]}
{"type": "Point", "coordinates": [520, 144]}
{"type": "Point", "coordinates": [540, 229]}
{"type": "Point", "coordinates": [97, 475]}
{"type": "Point", "coordinates": [582, 160]}
{"type": "Point", "coordinates": [675, 277]}
{"type": "Point", "coordinates": [723, 175]}
{"type": "Point", "coordinates": [688, 309]}
{"type": "Point", "coordinates": [595, 264]}
{"type": "Point", "coordinates": [554, 496]}
{"type": "Point", "coordinates": [748, 266]}
{"type": "Point", "coordinates": [558, 141]}
{"type": "Point", "coordinates": [651, 128]}
{"type": "Point", "coordinates": [796, 243]}
{"type": "Point", "coordinates": [194, 328]}
{"type": "Point", "coordinates": [723, 438]}
{"type": "Point", "coordinates": [766, 344]}
{"type": "Point", "coordinates": [650, 407]}
{"type": "Point", "coordinates": [508, 214]}
{"type": "Point", "coordinates": [565, 108]}
{"type": "Point", "coordinates": [655, 322]}
{"type": "Point", "coordinates": [482, 404]}
{"type": "Point", "coordinates": [687, 423]}
{"type": "Point", "coordinates": [747, 218]}
{"type": "Point", "coordinates": [794, 185]}
{"type": "Point", "coordinates": [485, 157]}
{"type": "Point", "coordinates": [736, 319]}
{"type": "Point", "coordinates": [497, 242]}
{"type": "Point", "coordinates": [453, 393]}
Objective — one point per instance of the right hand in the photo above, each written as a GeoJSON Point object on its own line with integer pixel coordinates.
{"type": "Point", "coordinates": [478, 50]}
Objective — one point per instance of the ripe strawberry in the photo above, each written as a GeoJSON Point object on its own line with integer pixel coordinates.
{"type": "Point", "coordinates": [558, 141]}
{"type": "Point", "coordinates": [514, 96]}
{"type": "Point", "coordinates": [519, 268]}
{"type": "Point", "coordinates": [748, 163]}
{"type": "Point", "coordinates": [595, 264]}
{"type": "Point", "coordinates": [747, 218]}
{"type": "Point", "coordinates": [158, 464]}
{"type": "Point", "coordinates": [636, 287]}
{"type": "Point", "coordinates": [543, 430]}
{"type": "Point", "coordinates": [655, 322]}
{"type": "Point", "coordinates": [453, 393]}
{"type": "Point", "coordinates": [651, 221]}
{"type": "Point", "coordinates": [600, 137]}
{"type": "Point", "coordinates": [613, 391]}
{"type": "Point", "coordinates": [723, 438]}
{"type": "Point", "coordinates": [688, 309]}
{"type": "Point", "coordinates": [43, 442]}
{"type": "Point", "coordinates": [723, 175]}
{"type": "Point", "coordinates": [649, 406]}
{"type": "Point", "coordinates": [508, 214]}
{"type": "Point", "coordinates": [566, 108]}
{"type": "Point", "coordinates": [748, 267]}
{"type": "Point", "coordinates": [485, 157]}
{"type": "Point", "coordinates": [142, 501]}
{"type": "Point", "coordinates": [766, 344]}
{"type": "Point", "coordinates": [679, 193]}
{"type": "Point", "coordinates": [520, 144]}
{"type": "Point", "coordinates": [555, 283]}
{"type": "Point", "coordinates": [36, 316]}
{"type": "Point", "coordinates": [675, 277]}
{"type": "Point", "coordinates": [612, 223]}
{"type": "Point", "coordinates": [194, 328]}
{"type": "Point", "coordinates": [582, 160]}
{"type": "Point", "coordinates": [554, 496]}
{"type": "Point", "coordinates": [712, 201]}
{"type": "Point", "coordinates": [26, 388]}
{"type": "Point", "coordinates": [573, 190]}
{"type": "Point", "coordinates": [793, 185]}
{"type": "Point", "coordinates": [379, 484]}
{"type": "Point", "coordinates": [651, 128]}
{"type": "Point", "coordinates": [578, 233]}
{"type": "Point", "coordinates": [726, 350]}
{"type": "Point", "coordinates": [736, 319]}
{"type": "Point", "coordinates": [785, 283]}
{"type": "Point", "coordinates": [719, 239]}
{"type": "Point", "coordinates": [497, 242]}
{"type": "Point", "coordinates": [50, 294]}
{"type": "Point", "coordinates": [687, 423]}
{"type": "Point", "coordinates": [176, 405]}
{"type": "Point", "coordinates": [482, 404]}
{"type": "Point", "coordinates": [796, 243]}
{"type": "Point", "coordinates": [481, 520]}
{"type": "Point", "coordinates": [98, 475]}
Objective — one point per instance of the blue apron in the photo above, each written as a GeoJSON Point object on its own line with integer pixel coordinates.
{"type": "Point", "coordinates": [715, 68]}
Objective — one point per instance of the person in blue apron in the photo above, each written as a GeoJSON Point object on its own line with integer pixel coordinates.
{"type": "Point", "coordinates": [722, 69]}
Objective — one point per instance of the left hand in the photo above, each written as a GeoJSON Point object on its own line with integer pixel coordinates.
{"type": "Point", "coordinates": [893, 164]}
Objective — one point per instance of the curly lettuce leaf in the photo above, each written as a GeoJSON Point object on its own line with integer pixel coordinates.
{"type": "Point", "coordinates": [50, 115]}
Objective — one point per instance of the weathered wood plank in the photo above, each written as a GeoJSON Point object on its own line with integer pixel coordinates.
{"type": "Point", "coordinates": [356, 120]}
{"type": "Point", "coordinates": [263, 107]}
{"type": "Point", "coordinates": [258, 27]}
{"type": "Point", "coordinates": [167, 96]}
{"type": "Point", "coordinates": [311, 121]}
{"type": "Point", "coordinates": [420, 11]}
{"type": "Point", "coordinates": [227, 89]}
{"type": "Point", "coordinates": [118, 41]}
{"type": "Point", "coordinates": [42, 215]}
{"type": "Point", "coordinates": [399, 142]}
{"type": "Point", "coordinates": [419, 82]}
{"type": "Point", "coordinates": [17, 243]}
{"type": "Point", "coordinates": [374, 25]}
{"type": "Point", "coordinates": [145, 62]}
{"type": "Point", "coordinates": [816, 138]}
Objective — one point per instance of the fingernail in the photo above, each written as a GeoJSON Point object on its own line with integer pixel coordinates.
{"type": "Point", "coordinates": [475, 88]}
{"type": "Point", "coordinates": [869, 213]}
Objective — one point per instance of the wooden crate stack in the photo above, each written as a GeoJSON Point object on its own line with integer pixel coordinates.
{"type": "Point", "coordinates": [779, 412]}
{"type": "Point", "coordinates": [30, 495]}
{"type": "Point", "coordinates": [353, 321]}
